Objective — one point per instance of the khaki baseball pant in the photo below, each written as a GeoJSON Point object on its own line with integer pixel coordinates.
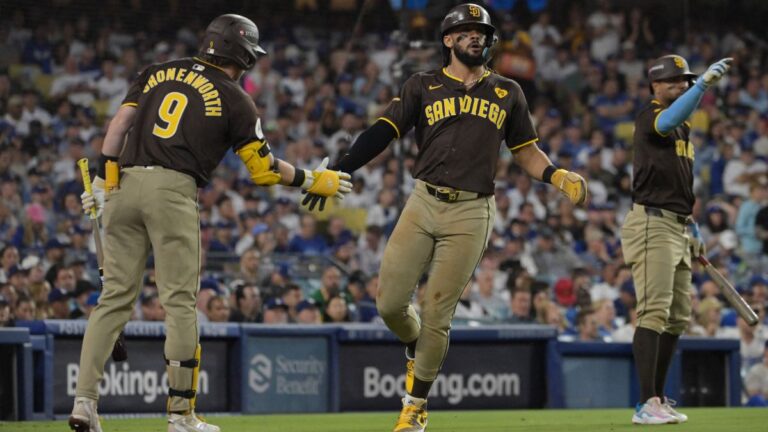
{"type": "Point", "coordinates": [154, 207]}
{"type": "Point", "coordinates": [658, 249]}
{"type": "Point", "coordinates": [449, 236]}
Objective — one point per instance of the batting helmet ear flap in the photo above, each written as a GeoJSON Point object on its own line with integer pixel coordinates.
{"type": "Point", "coordinates": [489, 43]}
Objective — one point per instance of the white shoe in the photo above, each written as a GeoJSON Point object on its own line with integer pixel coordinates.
{"type": "Point", "coordinates": [189, 423]}
{"type": "Point", "coordinates": [652, 412]}
{"type": "Point", "coordinates": [669, 407]}
{"type": "Point", "coordinates": [84, 417]}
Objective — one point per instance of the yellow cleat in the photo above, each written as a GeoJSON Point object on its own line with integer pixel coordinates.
{"type": "Point", "coordinates": [413, 418]}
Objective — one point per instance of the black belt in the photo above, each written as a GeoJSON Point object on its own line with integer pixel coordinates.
{"type": "Point", "coordinates": [447, 194]}
{"type": "Point", "coordinates": [653, 211]}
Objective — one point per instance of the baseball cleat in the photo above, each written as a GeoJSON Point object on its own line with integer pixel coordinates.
{"type": "Point", "coordinates": [652, 412]}
{"type": "Point", "coordinates": [84, 417]}
{"type": "Point", "coordinates": [413, 417]}
{"type": "Point", "coordinates": [189, 423]}
{"type": "Point", "coordinates": [669, 407]}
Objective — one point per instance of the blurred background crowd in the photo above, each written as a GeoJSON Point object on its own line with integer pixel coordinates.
{"type": "Point", "coordinates": [332, 67]}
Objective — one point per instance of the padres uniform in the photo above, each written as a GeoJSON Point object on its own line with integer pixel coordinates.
{"type": "Point", "coordinates": [447, 221]}
{"type": "Point", "coordinates": [654, 236]}
{"type": "Point", "coordinates": [659, 237]}
{"type": "Point", "coordinates": [189, 113]}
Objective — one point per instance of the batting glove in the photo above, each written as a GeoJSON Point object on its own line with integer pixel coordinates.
{"type": "Point", "coordinates": [715, 72]}
{"type": "Point", "coordinates": [96, 199]}
{"type": "Point", "coordinates": [322, 183]}
{"type": "Point", "coordinates": [697, 242]}
{"type": "Point", "coordinates": [571, 185]}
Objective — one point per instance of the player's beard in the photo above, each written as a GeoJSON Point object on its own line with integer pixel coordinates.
{"type": "Point", "coordinates": [468, 59]}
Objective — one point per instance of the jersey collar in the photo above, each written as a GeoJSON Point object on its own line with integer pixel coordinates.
{"type": "Point", "coordinates": [456, 82]}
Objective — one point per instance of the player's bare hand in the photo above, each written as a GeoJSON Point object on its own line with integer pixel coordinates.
{"type": "Point", "coordinates": [96, 199]}
{"type": "Point", "coordinates": [715, 72]}
{"type": "Point", "coordinates": [572, 185]}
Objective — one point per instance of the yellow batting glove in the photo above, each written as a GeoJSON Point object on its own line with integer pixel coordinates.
{"type": "Point", "coordinates": [571, 185]}
{"type": "Point", "coordinates": [328, 183]}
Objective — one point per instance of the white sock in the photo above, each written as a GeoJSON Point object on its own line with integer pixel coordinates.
{"type": "Point", "coordinates": [411, 400]}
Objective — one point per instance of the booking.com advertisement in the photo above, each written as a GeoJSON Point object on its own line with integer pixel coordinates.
{"type": "Point", "coordinates": [140, 384]}
{"type": "Point", "coordinates": [285, 374]}
{"type": "Point", "coordinates": [487, 375]}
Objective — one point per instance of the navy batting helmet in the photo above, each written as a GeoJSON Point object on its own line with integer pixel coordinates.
{"type": "Point", "coordinates": [235, 38]}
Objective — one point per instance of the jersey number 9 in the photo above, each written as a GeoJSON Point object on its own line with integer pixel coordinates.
{"type": "Point", "coordinates": [170, 112]}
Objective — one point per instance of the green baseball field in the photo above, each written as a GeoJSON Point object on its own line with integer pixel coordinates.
{"type": "Point", "coordinates": [701, 420]}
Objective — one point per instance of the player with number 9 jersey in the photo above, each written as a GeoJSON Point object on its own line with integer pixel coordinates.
{"type": "Point", "coordinates": [189, 113]}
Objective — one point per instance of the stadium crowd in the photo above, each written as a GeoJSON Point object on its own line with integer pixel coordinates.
{"type": "Point", "coordinates": [584, 76]}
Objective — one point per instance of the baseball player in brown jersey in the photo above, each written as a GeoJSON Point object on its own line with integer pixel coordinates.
{"type": "Point", "coordinates": [658, 236]}
{"type": "Point", "coordinates": [180, 117]}
{"type": "Point", "coordinates": [462, 113]}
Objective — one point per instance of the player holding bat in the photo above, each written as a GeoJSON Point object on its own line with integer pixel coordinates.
{"type": "Point", "coordinates": [659, 238]}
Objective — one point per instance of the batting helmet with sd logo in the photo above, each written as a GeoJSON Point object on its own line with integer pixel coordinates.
{"type": "Point", "coordinates": [669, 66]}
{"type": "Point", "coordinates": [233, 37]}
{"type": "Point", "coordinates": [468, 13]}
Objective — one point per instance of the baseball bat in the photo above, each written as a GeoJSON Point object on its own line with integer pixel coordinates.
{"type": "Point", "coordinates": [730, 293]}
{"type": "Point", "coordinates": [119, 352]}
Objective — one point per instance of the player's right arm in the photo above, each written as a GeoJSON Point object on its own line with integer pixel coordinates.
{"type": "Point", "coordinates": [399, 117]}
{"type": "Point", "coordinates": [113, 143]}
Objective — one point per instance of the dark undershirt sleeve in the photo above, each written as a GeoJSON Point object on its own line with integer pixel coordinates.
{"type": "Point", "coordinates": [367, 146]}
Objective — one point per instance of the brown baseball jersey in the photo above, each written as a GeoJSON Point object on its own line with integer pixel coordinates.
{"type": "Point", "coordinates": [459, 131]}
{"type": "Point", "coordinates": [190, 113]}
{"type": "Point", "coordinates": [663, 163]}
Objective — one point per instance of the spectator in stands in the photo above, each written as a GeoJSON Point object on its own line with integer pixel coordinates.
{"type": "Point", "coordinates": [756, 382]}
{"type": "Point", "coordinates": [485, 295]}
{"type": "Point", "coordinates": [605, 316]}
{"type": "Point", "coordinates": [739, 173]}
{"type": "Point", "coordinates": [58, 300]}
{"type": "Point", "coordinates": [520, 307]}
{"type": "Point", "coordinates": [25, 309]}
{"type": "Point", "coordinates": [247, 302]}
{"type": "Point", "coordinates": [707, 317]}
{"type": "Point", "coordinates": [745, 226]}
{"type": "Point", "coordinates": [151, 308]}
{"type": "Point", "coordinates": [9, 258]}
{"type": "Point", "coordinates": [626, 331]}
{"type": "Point", "coordinates": [587, 326]}
{"type": "Point", "coordinates": [208, 290]}
{"type": "Point", "coordinates": [370, 249]}
{"type": "Point", "coordinates": [308, 241]}
{"type": "Point", "coordinates": [307, 313]}
{"type": "Point", "coordinates": [65, 280]}
{"type": "Point", "coordinates": [275, 311]}
{"type": "Point", "coordinates": [336, 310]}
{"type": "Point", "coordinates": [217, 309]}
{"type": "Point", "coordinates": [291, 296]}
{"type": "Point", "coordinates": [556, 259]}
{"type": "Point", "coordinates": [83, 290]}
{"type": "Point", "coordinates": [330, 286]}
{"type": "Point", "coordinates": [6, 319]}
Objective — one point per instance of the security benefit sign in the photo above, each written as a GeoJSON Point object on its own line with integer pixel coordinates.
{"type": "Point", "coordinates": [285, 375]}
{"type": "Point", "coordinates": [474, 375]}
{"type": "Point", "coordinates": [139, 384]}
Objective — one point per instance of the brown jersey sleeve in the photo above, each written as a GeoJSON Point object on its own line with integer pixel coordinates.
{"type": "Point", "coordinates": [520, 130]}
{"type": "Point", "coordinates": [136, 88]}
{"type": "Point", "coordinates": [645, 123]}
{"type": "Point", "coordinates": [403, 112]}
{"type": "Point", "coordinates": [244, 123]}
